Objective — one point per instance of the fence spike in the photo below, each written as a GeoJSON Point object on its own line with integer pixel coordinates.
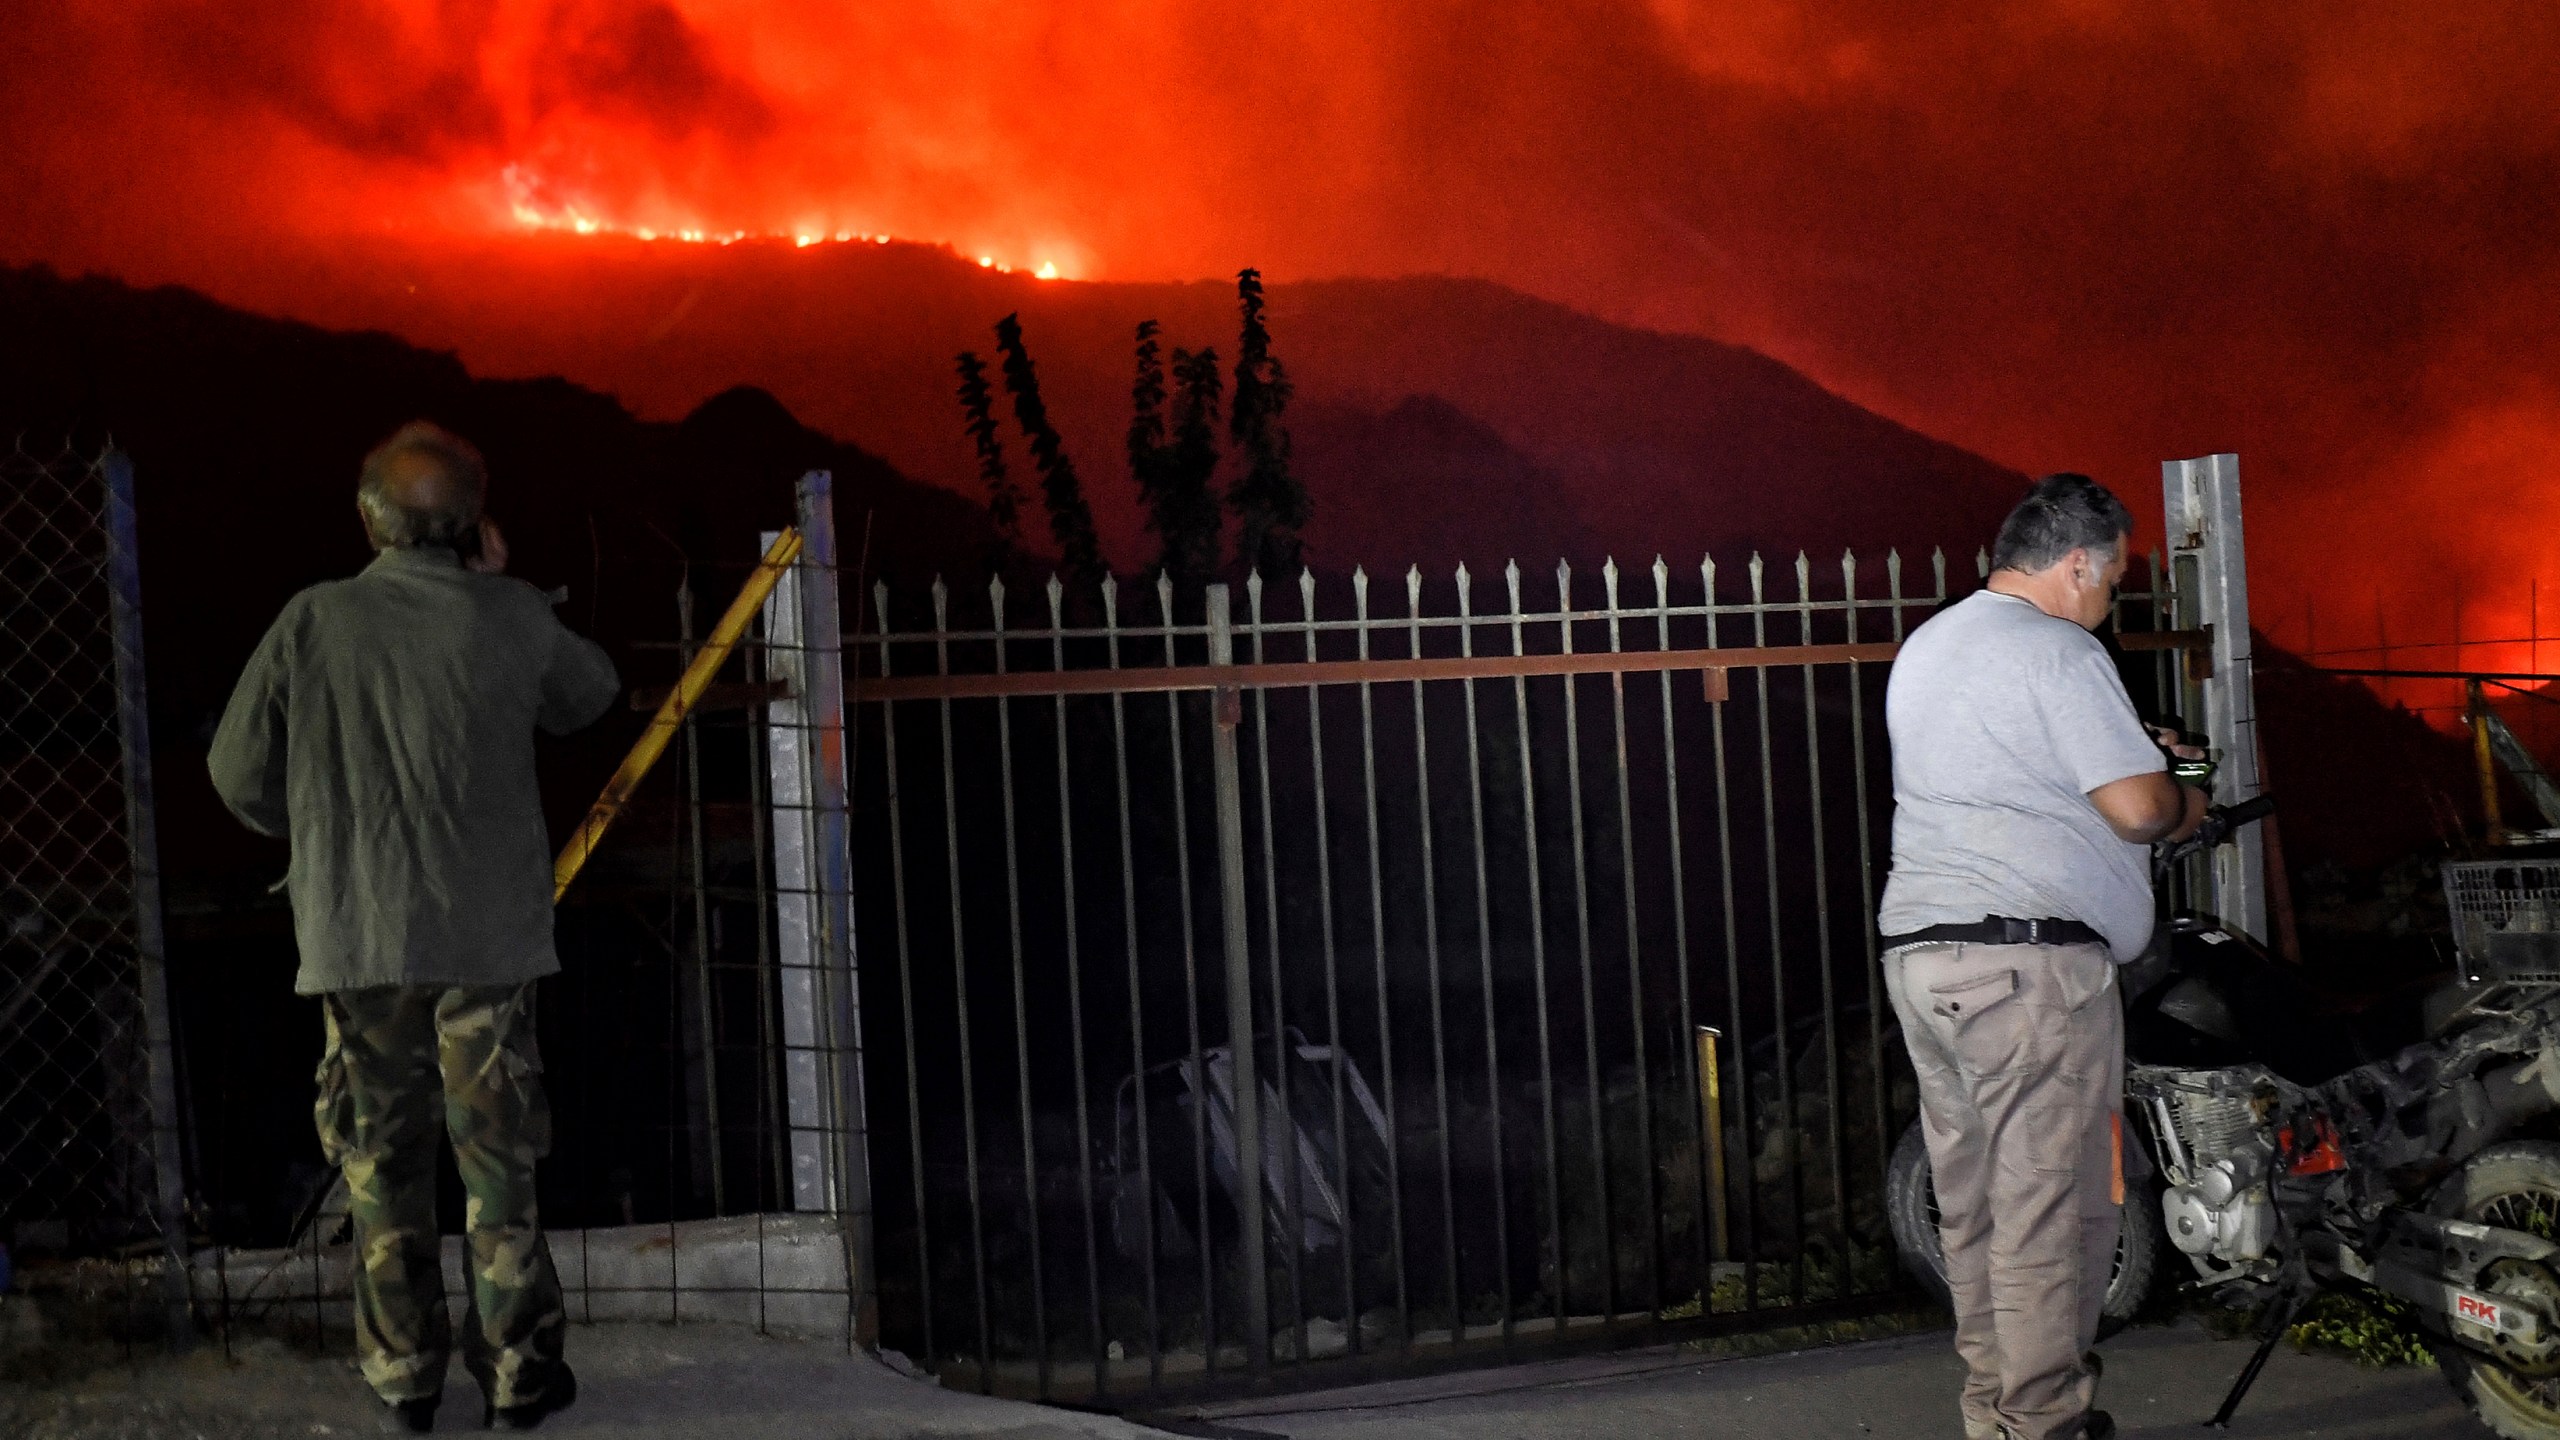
{"type": "Point", "coordinates": [1893, 569]}
{"type": "Point", "coordinates": [995, 600]}
{"type": "Point", "coordinates": [941, 604]}
{"type": "Point", "coordinates": [1564, 581]}
{"type": "Point", "coordinates": [1938, 568]}
{"type": "Point", "coordinates": [1661, 580]}
{"type": "Point", "coordinates": [1982, 562]}
{"type": "Point", "coordinates": [1360, 591]}
{"type": "Point", "coordinates": [1164, 596]}
{"type": "Point", "coordinates": [1057, 602]}
{"type": "Point", "coordinates": [880, 604]}
{"type": "Point", "coordinates": [1511, 582]}
{"type": "Point", "coordinates": [1307, 592]}
{"type": "Point", "coordinates": [1253, 596]}
{"type": "Point", "coordinates": [1111, 602]}
{"type": "Point", "coordinates": [1413, 588]}
{"type": "Point", "coordinates": [1609, 580]}
{"type": "Point", "coordinates": [1804, 576]}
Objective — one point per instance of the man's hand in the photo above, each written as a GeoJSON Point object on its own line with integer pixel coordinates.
{"type": "Point", "coordinates": [2191, 764]}
{"type": "Point", "coordinates": [2174, 741]}
{"type": "Point", "coordinates": [492, 559]}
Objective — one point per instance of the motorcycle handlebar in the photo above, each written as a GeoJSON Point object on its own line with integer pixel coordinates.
{"type": "Point", "coordinates": [2248, 811]}
{"type": "Point", "coordinates": [2218, 824]}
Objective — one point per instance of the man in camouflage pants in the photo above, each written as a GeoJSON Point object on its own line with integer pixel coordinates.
{"type": "Point", "coordinates": [385, 725]}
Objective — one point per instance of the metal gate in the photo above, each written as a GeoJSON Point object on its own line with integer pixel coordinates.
{"type": "Point", "coordinates": [1307, 982]}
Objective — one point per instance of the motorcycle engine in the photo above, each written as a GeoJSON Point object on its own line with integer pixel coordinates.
{"type": "Point", "coordinates": [2218, 1210]}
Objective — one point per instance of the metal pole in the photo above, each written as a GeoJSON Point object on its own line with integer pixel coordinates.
{"type": "Point", "coordinates": [1240, 1047]}
{"type": "Point", "coordinates": [142, 838]}
{"type": "Point", "coordinates": [2202, 502]}
{"type": "Point", "coordinates": [795, 905]}
{"type": "Point", "coordinates": [2494, 824]}
{"type": "Point", "coordinates": [822, 671]}
{"type": "Point", "coordinates": [708, 1151]}
{"type": "Point", "coordinates": [1711, 1116]}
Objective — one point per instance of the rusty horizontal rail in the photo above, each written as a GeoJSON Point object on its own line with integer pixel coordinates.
{"type": "Point", "coordinates": [1287, 674]}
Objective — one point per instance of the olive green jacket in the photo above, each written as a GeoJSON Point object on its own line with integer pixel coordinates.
{"type": "Point", "coordinates": [385, 726]}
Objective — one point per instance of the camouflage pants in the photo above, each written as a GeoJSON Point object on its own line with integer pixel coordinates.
{"type": "Point", "coordinates": [402, 1062]}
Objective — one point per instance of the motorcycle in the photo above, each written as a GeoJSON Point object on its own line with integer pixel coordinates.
{"type": "Point", "coordinates": [2283, 1161]}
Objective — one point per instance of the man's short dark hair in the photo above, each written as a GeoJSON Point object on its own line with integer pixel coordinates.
{"type": "Point", "coordinates": [2062, 513]}
{"type": "Point", "coordinates": [403, 515]}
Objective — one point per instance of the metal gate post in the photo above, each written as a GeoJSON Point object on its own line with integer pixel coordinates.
{"type": "Point", "coordinates": [814, 946]}
{"type": "Point", "coordinates": [142, 837]}
{"type": "Point", "coordinates": [2208, 562]}
{"type": "Point", "coordinates": [789, 793]}
{"type": "Point", "coordinates": [822, 635]}
{"type": "Point", "coordinates": [1229, 702]}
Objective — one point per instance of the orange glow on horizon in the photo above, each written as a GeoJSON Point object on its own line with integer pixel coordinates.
{"type": "Point", "coordinates": [525, 210]}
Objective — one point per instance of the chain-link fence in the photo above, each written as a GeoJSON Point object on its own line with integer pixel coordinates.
{"type": "Point", "coordinates": [88, 1152]}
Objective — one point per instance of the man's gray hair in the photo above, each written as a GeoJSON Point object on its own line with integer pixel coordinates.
{"type": "Point", "coordinates": [399, 515]}
{"type": "Point", "coordinates": [2062, 513]}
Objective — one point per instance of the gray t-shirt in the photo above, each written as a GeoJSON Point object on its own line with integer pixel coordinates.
{"type": "Point", "coordinates": [2003, 720]}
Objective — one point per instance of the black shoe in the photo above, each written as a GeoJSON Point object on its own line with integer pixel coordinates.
{"type": "Point", "coordinates": [418, 1417]}
{"type": "Point", "coordinates": [528, 1414]}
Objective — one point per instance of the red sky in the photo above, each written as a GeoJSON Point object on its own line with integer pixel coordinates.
{"type": "Point", "coordinates": [2066, 233]}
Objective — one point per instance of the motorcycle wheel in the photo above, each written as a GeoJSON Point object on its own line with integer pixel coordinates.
{"type": "Point", "coordinates": [1911, 1205]}
{"type": "Point", "coordinates": [2516, 1186]}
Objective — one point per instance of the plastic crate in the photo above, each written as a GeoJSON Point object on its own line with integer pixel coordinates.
{"type": "Point", "coordinates": [2506, 919]}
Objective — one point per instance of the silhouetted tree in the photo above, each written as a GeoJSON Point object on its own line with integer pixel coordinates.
{"type": "Point", "coordinates": [1148, 453]}
{"type": "Point", "coordinates": [1004, 500]}
{"type": "Point", "coordinates": [1070, 518]}
{"type": "Point", "coordinates": [1270, 504]}
{"type": "Point", "coordinates": [1173, 470]}
{"type": "Point", "coordinates": [1188, 519]}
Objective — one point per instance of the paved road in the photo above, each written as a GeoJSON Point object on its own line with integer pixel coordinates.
{"type": "Point", "coordinates": [636, 1382]}
{"type": "Point", "coordinates": [717, 1383]}
{"type": "Point", "coordinates": [2160, 1382]}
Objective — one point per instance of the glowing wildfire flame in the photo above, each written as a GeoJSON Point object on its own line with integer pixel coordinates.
{"type": "Point", "coordinates": [530, 206]}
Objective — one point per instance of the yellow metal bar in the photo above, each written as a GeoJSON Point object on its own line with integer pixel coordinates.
{"type": "Point", "coordinates": [1711, 1123]}
{"type": "Point", "coordinates": [2485, 756]}
{"type": "Point", "coordinates": [679, 703]}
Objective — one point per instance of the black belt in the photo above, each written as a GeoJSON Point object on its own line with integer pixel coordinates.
{"type": "Point", "coordinates": [2001, 930]}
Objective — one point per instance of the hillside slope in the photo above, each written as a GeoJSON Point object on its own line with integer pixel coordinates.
{"type": "Point", "coordinates": [1584, 437]}
{"type": "Point", "coordinates": [246, 433]}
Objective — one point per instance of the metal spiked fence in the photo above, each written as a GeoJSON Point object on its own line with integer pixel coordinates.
{"type": "Point", "coordinates": [88, 1140]}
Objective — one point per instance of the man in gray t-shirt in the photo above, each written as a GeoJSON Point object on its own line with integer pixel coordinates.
{"type": "Point", "coordinates": [2026, 795]}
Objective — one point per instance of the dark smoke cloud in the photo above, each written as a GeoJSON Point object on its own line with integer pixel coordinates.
{"type": "Point", "coordinates": [2084, 233]}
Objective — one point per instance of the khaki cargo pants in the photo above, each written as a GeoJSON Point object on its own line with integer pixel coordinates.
{"type": "Point", "coordinates": [403, 1064]}
{"type": "Point", "coordinates": [2020, 1054]}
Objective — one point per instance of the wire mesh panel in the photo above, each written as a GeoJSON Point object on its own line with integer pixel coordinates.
{"type": "Point", "coordinates": [2506, 918]}
{"type": "Point", "coordinates": [85, 1140]}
